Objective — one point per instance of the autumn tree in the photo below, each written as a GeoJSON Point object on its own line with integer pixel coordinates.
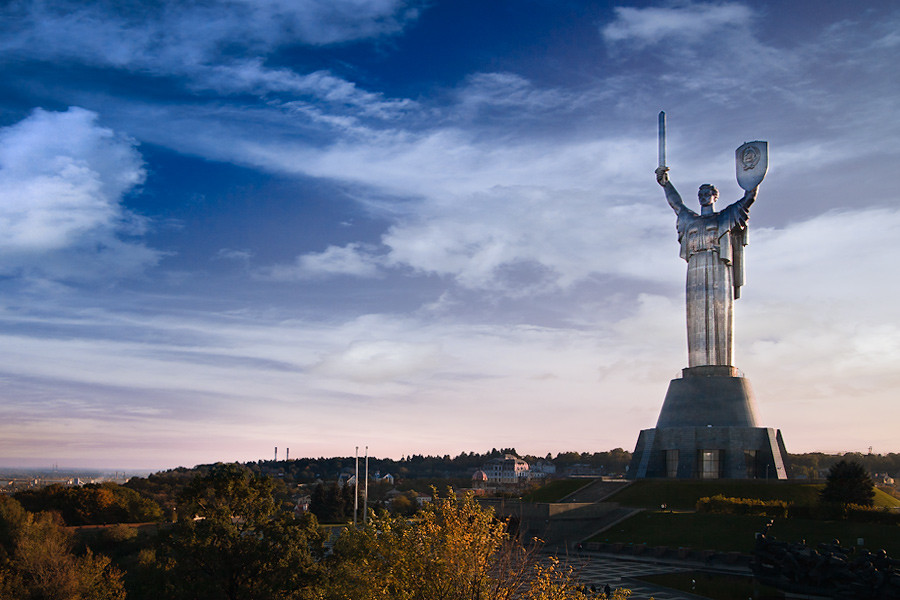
{"type": "Point", "coordinates": [36, 560]}
{"type": "Point", "coordinates": [91, 504]}
{"type": "Point", "coordinates": [454, 550]}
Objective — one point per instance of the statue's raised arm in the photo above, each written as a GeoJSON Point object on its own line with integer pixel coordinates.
{"type": "Point", "coordinates": [672, 195]}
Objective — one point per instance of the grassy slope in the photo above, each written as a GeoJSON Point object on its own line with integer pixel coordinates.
{"type": "Point", "coordinates": [683, 495]}
{"type": "Point", "coordinates": [556, 490]}
{"type": "Point", "coordinates": [733, 532]}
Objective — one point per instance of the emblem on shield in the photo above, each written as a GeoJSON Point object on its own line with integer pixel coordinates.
{"type": "Point", "coordinates": [751, 162]}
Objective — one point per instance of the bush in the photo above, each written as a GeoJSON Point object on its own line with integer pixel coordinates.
{"type": "Point", "coordinates": [722, 505]}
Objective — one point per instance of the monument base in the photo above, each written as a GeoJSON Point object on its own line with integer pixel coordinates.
{"type": "Point", "coordinates": [707, 429]}
{"type": "Point", "coordinates": [709, 453]}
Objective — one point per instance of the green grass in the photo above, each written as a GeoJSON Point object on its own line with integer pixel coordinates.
{"type": "Point", "coordinates": [883, 499]}
{"type": "Point", "coordinates": [683, 494]}
{"type": "Point", "coordinates": [556, 490]}
{"type": "Point", "coordinates": [736, 533]}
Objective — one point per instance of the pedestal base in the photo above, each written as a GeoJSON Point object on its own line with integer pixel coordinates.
{"type": "Point", "coordinates": [707, 429]}
{"type": "Point", "coordinates": [709, 453]}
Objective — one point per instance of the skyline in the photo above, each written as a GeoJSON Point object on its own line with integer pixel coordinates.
{"type": "Point", "coordinates": [430, 227]}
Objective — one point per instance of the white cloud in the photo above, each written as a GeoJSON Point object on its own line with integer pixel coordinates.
{"type": "Point", "coordinates": [217, 44]}
{"type": "Point", "coordinates": [353, 259]}
{"type": "Point", "coordinates": [379, 361]}
{"type": "Point", "coordinates": [171, 32]}
{"type": "Point", "coordinates": [63, 177]}
{"type": "Point", "coordinates": [655, 25]}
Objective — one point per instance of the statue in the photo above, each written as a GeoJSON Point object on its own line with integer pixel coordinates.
{"type": "Point", "coordinates": [713, 243]}
{"type": "Point", "coordinates": [707, 426]}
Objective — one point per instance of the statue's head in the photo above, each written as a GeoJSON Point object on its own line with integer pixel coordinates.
{"type": "Point", "coordinates": [708, 194]}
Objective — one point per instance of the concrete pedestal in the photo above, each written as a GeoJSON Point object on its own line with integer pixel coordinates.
{"type": "Point", "coordinates": [707, 429]}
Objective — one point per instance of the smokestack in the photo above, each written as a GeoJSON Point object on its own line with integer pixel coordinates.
{"type": "Point", "coordinates": [366, 491]}
{"type": "Point", "coordinates": [287, 454]}
{"type": "Point", "coordinates": [276, 453]}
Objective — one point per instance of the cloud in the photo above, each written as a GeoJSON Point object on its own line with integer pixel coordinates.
{"type": "Point", "coordinates": [524, 240]}
{"type": "Point", "coordinates": [217, 45]}
{"type": "Point", "coordinates": [688, 21]}
{"type": "Point", "coordinates": [170, 31]}
{"type": "Point", "coordinates": [379, 361]}
{"type": "Point", "coordinates": [353, 259]}
{"type": "Point", "coordinates": [63, 178]}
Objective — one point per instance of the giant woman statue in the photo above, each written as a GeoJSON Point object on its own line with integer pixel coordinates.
{"type": "Point", "coordinates": [712, 243]}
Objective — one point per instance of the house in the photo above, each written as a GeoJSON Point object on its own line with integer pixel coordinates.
{"type": "Point", "coordinates": [509, 470]}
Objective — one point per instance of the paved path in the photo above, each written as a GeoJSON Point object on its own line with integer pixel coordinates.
{"type": "Point", "coordinates": [619, 573]}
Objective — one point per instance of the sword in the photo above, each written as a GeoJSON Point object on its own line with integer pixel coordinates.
{"type": "Point", "coordinates": [662, 139]}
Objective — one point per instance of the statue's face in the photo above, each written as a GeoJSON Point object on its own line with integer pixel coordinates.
{"type": "Point", "coordinates": [707, 195]}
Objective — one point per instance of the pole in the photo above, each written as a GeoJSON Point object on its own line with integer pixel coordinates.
{"type": "Point", "coordinates": [356, 489]}
{"type": "Point", "coordinates": [662, 139]}
{"type": "Point", "coordinates": [366, 490]}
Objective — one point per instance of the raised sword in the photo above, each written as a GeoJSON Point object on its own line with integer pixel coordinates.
{"type": "Point", "coordinates": [662, 138]}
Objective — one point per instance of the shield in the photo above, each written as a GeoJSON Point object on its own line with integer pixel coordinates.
{"type": "Point", "coordinates": [752, 162]}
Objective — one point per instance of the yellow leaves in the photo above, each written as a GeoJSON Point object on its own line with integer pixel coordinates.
{"type": "Point", "coordinates": [454, 550]}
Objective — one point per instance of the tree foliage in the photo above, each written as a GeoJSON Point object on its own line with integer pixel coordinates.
{"type": "Point", "coordinates": [234, 541]}
{"type": "Point", "coordinates": [92, 504]}
{"type": "Point", "coordinates": [848, 483]}
{"type": "Point", "coordinates": [453, 550]}
{"type": "Point", "coordinates": [36, 560]}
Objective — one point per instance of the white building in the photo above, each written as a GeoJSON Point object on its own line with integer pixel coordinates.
{"type": "Point", "coordinates": [508, 470]}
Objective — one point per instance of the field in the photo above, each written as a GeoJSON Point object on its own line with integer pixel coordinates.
{"type": "Point", "coordinates": [683, 495]}
{"type": "Point", "coordinates": [556, 490]}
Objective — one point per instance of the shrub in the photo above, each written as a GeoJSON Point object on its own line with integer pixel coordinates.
{"type": "Point", "coordinates": [722, 505]}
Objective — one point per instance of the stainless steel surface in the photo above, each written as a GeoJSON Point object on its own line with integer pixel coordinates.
{"type": "Point", "coordinates": [712, 243]}
{"type": "Point", "coordinates": [751, 161]}
{"type": "Point", "coordinates": [662, 139]}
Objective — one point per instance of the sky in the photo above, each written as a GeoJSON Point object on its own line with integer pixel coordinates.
{"type": "Point", "coordinates": [430, 227]}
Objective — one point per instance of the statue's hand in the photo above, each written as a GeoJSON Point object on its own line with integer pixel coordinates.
{"type": "Point", "coordinates": [662, 176]}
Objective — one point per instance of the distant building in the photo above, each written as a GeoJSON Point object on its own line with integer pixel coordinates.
{"type": "Point", "coordinates": [584, 470]}
{"type": "Point", "coordinates": [509, 470]}
{"type": "Point", "coordinates": [542, 469]}
{"type": "Point", "coordinates": [301, 504]}
{"type": "Point", "coordinates": [883, 479]}
{"type": "Point", "coordinates": [479, 479]}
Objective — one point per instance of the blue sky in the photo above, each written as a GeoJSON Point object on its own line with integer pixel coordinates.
{"type": "Point", "coordinates": [430, 227]}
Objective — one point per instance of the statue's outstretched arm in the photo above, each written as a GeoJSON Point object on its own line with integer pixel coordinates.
{"type": "Point", "coordinates": [749, 197]}
{"type": "Point", "coordinates": [672, 195]}
{"type": "Point", "coordinates": [738, 213]}
{"type": "Point", "coordinates": [674, 198]}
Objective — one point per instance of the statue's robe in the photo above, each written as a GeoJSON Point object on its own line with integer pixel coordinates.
{"type": "Point", "coordinates": [713, 246]}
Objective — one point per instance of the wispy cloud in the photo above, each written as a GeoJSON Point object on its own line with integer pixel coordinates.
{"type": "Point", "coordinates": [164, 34]}
{"type": "Point", "coordinates": [219, 45]}
{"type": "Point", "coordinates": [695, 23]}
{"type": "Point", "coordinates": [356, 260]}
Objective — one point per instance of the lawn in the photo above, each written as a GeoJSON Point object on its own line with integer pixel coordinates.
{"type": "Point", "coordinates": [683, 494]}
{"type": "Point", "coordinates": [556, 490]}
{"type": "Point", "coordinates": [735, 533]}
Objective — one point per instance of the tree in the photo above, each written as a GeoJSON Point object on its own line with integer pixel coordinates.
{"type": "Point", "coordinates": [92, 504]}
{"type": "Point", "coordinates": [848, 483]}
{"type": "Point", "coordinates": [36, 560]}
{"type": "Point", "coordinates": [454, 550]}
{"type": "Point", "coordinates": [234, 541]}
